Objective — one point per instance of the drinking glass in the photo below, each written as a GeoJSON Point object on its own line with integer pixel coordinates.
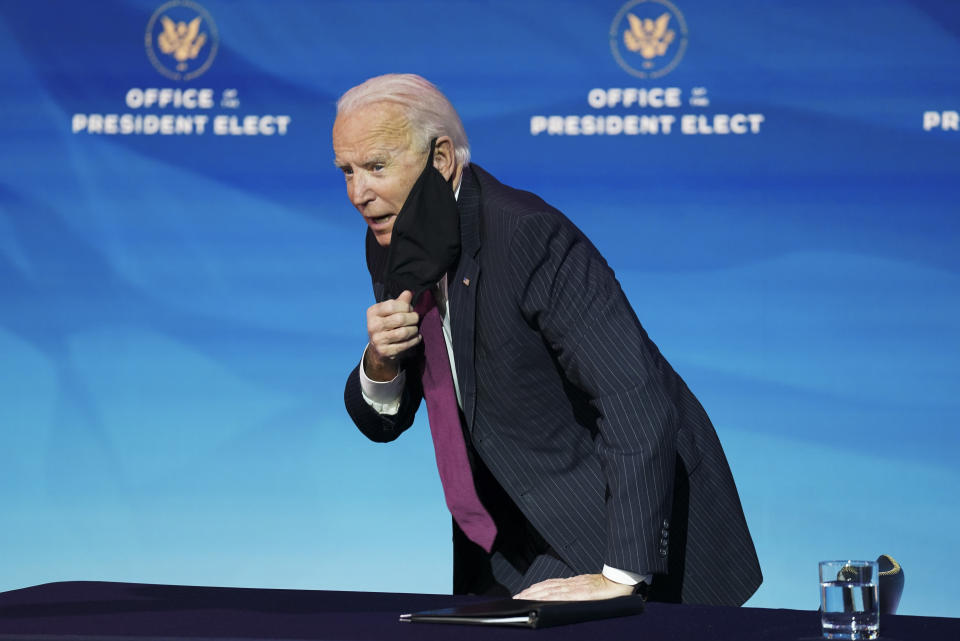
{"type": "Point", "coordinates": [849, 603]}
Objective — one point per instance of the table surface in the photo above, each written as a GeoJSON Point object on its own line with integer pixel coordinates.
{"type": "Point", "coordinates": [81, 610]}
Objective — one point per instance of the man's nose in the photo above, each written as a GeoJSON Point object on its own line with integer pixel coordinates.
{"type": "Point", "coordinates": [360, 192]}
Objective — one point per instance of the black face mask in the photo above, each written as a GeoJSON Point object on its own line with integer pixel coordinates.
{"type": "Point", "coordinates": [425, 242]}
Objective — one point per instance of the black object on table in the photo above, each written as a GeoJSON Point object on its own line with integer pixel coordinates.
{"type": "Point", "coordinates": [83, 610]}
{"type": "Point", "coordinates": [530, 614]}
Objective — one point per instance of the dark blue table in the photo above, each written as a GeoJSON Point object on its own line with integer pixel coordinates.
{"type": "Point", "coordinates": [83, 610]}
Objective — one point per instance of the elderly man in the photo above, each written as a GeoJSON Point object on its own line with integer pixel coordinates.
{"type": "Point", "coordinates": [575, 461]}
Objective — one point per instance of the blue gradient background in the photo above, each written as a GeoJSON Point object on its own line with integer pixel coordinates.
{"type": "Point", "coordinates": [178, 314]}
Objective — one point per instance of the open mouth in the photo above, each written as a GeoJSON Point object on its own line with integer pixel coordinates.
{"type": "Point", "coordinates": [380, 220]}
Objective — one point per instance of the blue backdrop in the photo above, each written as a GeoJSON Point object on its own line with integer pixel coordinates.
{"type": "Point", "coordinates": [183, 289]}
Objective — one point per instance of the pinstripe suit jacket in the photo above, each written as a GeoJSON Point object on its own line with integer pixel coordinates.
{"type": "Point", "coordinates": [573, 408]}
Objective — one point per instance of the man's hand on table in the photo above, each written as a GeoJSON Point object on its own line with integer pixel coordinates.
{"type": "Point", "coordinates": [586, 587]}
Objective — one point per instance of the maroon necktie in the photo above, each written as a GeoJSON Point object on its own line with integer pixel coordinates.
{"type": "Point", "coordinates": [448, 443]}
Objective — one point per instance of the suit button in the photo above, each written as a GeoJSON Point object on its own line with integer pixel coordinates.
{"type": "Point", "coordinates": [666, 524]}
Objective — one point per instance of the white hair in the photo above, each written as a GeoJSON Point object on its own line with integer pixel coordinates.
{"type": "Point", "coordinates": [428, 112]}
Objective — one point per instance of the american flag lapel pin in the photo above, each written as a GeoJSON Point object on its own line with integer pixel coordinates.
{"type": "Point", "coordinates": [466, 282]}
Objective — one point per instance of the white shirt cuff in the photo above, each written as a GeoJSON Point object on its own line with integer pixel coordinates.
{"type": "Point", "coordinates": [382, 396]}
{"type": "Point", "coordinates": [625, 577]}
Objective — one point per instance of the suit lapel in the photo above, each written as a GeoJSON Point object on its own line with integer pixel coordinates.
{"type": "Point", "coordinates": [463, 293]}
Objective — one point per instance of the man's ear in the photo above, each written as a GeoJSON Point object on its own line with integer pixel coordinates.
{"type": "Point", "coordinates": [443, 158]}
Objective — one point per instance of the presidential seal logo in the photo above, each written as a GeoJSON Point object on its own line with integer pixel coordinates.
{"type": "Point", "coordinates": [181, 40]}
{"type": "Point", "coordinates": [648, 38]}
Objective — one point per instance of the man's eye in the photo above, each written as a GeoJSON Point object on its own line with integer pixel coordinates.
{"type": "Point", "coordinates": [378, 166]}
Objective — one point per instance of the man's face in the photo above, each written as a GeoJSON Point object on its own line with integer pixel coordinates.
{"type": "Point", "coordinates": [373, 148]}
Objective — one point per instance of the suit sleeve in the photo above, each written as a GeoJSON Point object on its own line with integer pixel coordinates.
{"type": "Point", "coordinates": [375, 426]}
{"type": "Point", "coordinates": [567, 291]}
{"type": "Point", "coordinates": [381, 427]}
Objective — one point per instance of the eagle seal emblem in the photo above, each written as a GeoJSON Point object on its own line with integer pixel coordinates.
{"type": "Point", "coordinates": [648, 38]}
{"type": "Point", "coordinates": [181, 40]}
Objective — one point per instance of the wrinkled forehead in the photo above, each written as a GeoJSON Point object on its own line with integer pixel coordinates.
{"type": "Point", "coordinates": [381, 125]}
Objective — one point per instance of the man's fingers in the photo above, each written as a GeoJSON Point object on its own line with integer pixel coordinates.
{"type": "Point", "coordinates": [388, 307]}
{"type": "Point", "coordinates": [543, 591]}
{"type": "Point", "coordinates": [390, 344]}
{"type": "Point", "coordinates": [402, 303]}
{"type": "Point", "coordinates": [405, 345]}
{"type": "Point", "coordinates": [390, 336]}
{"type": "Point", "coordinates": [537, 590]}
{"type": "Point", "coordinates": [579, 588]}
{"type": "Point", "coordinates": [393, 349]}
{"type": "Point", "coordinates": [393, 321]}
